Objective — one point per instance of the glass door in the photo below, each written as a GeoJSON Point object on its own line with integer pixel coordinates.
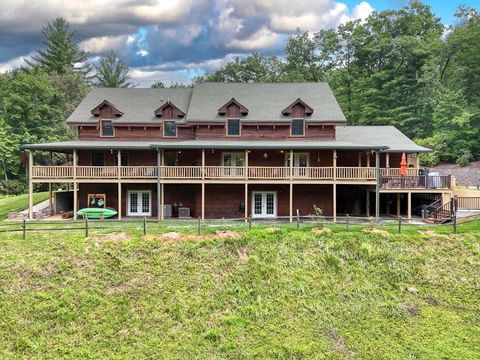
{"type": "Point", "coordinates": [264, 204]}
{"type": "Point", "coordinates": [233, 164]}
{"type": "Point", "coordinates": [139, 203]}
{"type": "Point", "coordinates": [300, 163]}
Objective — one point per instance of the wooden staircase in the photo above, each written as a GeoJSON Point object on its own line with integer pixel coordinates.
{"type": "Point", "coordinates": [439, 213]}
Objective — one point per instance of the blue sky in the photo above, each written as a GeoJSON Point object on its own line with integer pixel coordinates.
{"type": "Point", "coordinates": [176, 40]}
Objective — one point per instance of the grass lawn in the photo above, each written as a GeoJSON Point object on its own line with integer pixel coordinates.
{"type": "Point", "coordinates": [17, 203]}
{"type": "Point", "coordinates": [287, 294]}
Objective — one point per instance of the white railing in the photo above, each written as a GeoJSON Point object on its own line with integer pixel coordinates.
{"type": "Point", "coordinates": [52, 172]}
{"type": "Point", "coordinates": [97, 172]}
{"type": "Point", "coordinates": [214, 172]}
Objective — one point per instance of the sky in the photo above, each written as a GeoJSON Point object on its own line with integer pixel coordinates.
{"type": "Point", "coordinates": [177, 40]}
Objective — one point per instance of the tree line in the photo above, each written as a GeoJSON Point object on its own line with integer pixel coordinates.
{"type": "Point", "coordinates": [397, 67]}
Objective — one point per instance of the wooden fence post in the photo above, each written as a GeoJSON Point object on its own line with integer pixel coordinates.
{"type": "Point", "coordinates": [347, 222]}
{"type": "Point", "coordinates": [249, 223]}
{"type": "Point", "coordinates": [24, 229]}
{"type": "Point", "coordinates": [86, 226]}
{"type": "Point", "coordinates": [455, 223]}
{"type": "Point", "coordinates": [399, 224]}
{"type": "Point", "coordinates": [144, 226]}
{"type": "Point", "coordinates": [298, 219]}
{"type": "Point", "coordinates": [199, 225]}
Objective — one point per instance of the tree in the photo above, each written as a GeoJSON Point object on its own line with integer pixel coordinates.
{"type": "Point", "coordinates": [112, 72]}
{"type": "Point", "coordinates": [61, 53]}
{"type": "Point", "coordinates": [158, 85]}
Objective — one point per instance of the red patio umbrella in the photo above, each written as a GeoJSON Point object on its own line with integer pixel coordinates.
{"type": "Point", "coordinates": [403, 165]}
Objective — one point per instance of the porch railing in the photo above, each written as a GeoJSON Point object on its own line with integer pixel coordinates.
{"type": "Point", "coordinates": [390, 176]}
{"type": "Point", "coordinates": [416, 182]}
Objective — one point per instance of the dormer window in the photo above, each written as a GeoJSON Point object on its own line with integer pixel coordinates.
{"type": "Point", "coordinates": [297, 127]}
{"type": "Point", "coordinates": [233, 127]}
{"type": "Point", "coordinates": [106, 129]}
{"type": "Point", "coordinates": [169, 129]}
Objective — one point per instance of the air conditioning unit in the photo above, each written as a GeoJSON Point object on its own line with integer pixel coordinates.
{"type": "Point", "coordinates": [183, 212]}
{"type": "Point", "coordinates": [167, 210]}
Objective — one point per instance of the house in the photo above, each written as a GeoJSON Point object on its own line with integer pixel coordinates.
{"type": "Point", "coordinates": [233, 150]}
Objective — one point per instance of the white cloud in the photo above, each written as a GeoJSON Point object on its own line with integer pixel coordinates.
{"type": "Point", "coordinates": [104, 43]}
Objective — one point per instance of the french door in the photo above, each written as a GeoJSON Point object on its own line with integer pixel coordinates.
{"type": "Point", "coordinates": [300, 163]}
{"type": "Point", "coordinates": [264, 204]}
{"type": "Point", "coordinates": [233, 164]}
{"type": "Point", "coordinates": [139, 203]}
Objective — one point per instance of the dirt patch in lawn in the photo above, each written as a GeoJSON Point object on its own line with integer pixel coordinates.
{"type": "Point", "coordinates": [339, 343]}
{"type": "Point", "coordinates": [321, 230]}
{"type": "Point", "coordinates": [272, 229]}
{"type": "Point", "coordinates": [372, 230]}
{"type": "Point", "coordinates": [175, 236]}
{"type": "Point", "coordinates": [114, 236]}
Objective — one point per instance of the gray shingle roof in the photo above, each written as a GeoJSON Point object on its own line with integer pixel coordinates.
{"type": "Point", "coordinates": [138, 105]}
{"type": "Point", "coordinates": [348, 138]}
{"type": "Point", "coordinates": [264, 101]}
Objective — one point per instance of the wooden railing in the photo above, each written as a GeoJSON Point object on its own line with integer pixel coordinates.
{"type": "Point", "coordinates": [416, 182]}
{"type": "Point", "coordinates": [224, 172]}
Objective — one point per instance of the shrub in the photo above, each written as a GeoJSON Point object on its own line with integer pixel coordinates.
{"type": "Point", "coordinates": [12, 187]}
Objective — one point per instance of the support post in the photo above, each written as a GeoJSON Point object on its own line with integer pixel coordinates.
{"type": "Point", "coordinates": [119, 163]}
{"type": "Point", "coordinates": [398, 204]}
{"type": "Point", "coordinates": [246, 201]}
{"type": "Point", "coordinates": [359, 159]}
{"type": "Point", "coordinates": [50, 193]}
{"type": "Point", "coordinates": [368, 159]}
{"type": "Point", "coordinates": [75, 193]}
{"type": "Point", "coordinates": [291, 166]}
{"type": "Point", "coordinates": [162, 199]}
{"type": "Point", "coordinates": [377, 187]}
{"type": "Point", "coordinates": [334, 164]}
{"type": "Point", "coordinates": [387, 160]}
{"type": "Point", "coordinates": [203, 164]}
{"type": "Point", "coordinates": [290, 193]}
{"type": "Point", "coordinates": [30, 185]}
{"type": "Point", "coordinates": [334, 203]}
{"type": "Point", "coordinates": [367, 202]}
{"type": "Point", "coordinates": [246, 167]}
{"type": "Point", "coordinates": [203, 201]}
{"type": "Point", "coordinates": [119, 199]}
{"type": "Point", "coordinates": [417, 162]}
{"type": "Point", "coordinates": [159, 205]}
{"type": "Point", "coordinates": [409, 210]}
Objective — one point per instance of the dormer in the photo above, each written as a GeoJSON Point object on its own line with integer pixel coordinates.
{"type": "Point", "coordinates": [233, 109]}
{"type": "Point", "coordinates": [169, 111]}
{"type": "Point", "coordinates": [106, 110]}
{"type": "Point", "coordinates": [298, 110]}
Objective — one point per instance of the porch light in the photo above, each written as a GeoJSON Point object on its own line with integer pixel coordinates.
{"type": "Point", "coordinates": [265, 155]}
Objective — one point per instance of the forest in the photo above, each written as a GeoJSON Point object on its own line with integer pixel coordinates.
{"type": "Point", "coordinates": [397, 67]}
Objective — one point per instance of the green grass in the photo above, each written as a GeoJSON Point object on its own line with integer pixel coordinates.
{"type": "Point", "coordinates": [292, 294]}
{"type": "Point", "coordinates": [20, 202]}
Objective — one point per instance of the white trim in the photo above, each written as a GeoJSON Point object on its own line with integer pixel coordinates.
{"type": "Point", "coordinates": [129, 213]}
{"type": "Point", "coordinates": [264, 212]}
{"type": "Point", "coordinates": [291, 127]}
{"type": "Point", "coordinates": [101, 128]}
{"type": "Point", "coordinates": [239, 128]}
{"type": "Point", "coordinates": [176, 129]}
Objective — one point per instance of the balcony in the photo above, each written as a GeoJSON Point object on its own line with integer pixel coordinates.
{"type": "Point", "coordinates": [64, 173]}
{"type": "Point", "coordinates": [416, 182]}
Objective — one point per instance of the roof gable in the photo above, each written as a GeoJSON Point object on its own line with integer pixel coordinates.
{"type": "Point", "coordinates": [290, 109]}
{"type": "Point", "coordinates": [224, 109]}
{"type": "Point", "coordinates": [96, 111]}
{"type": "Point", "coordinates": [175, 111]}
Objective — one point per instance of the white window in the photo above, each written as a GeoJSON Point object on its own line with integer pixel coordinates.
{"type": "Point", "coordinates": [264, 204]}
{"type": "Point", "coordinates": [297, 128]}
{"type": "Point", "coordinates": [107, 129]}
{"type": "Point", "coordinates": [139, 203]}
{"type": "Point", "coordinates": [233, 127]}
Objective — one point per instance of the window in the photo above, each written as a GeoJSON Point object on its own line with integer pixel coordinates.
{"type": "Point", "coordinates": [169, 129]}
{"type": "Point", "coordinates": [298, 127]}
{"type": "Point", "coordinates": [139, 203]}
{"type": "Point", "coordinates": [98, 159]}
{"type": "Point", "coordinates": [107, 128]}
{"type": "Point", "coordinates": [233, 127]}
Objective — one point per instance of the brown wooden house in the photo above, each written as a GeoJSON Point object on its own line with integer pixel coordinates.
{"type": "Point", "coordinates": [230, 150]}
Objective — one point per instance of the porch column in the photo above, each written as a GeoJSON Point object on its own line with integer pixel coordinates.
{"type": "Point", "coordinates": [417, 162]}
{"type": "Point", "coordinates": [359, 159]}
{"type": "Point", "coordinates": [75, 194]}
{"type": "Point", "coordinates": [334, 202]}
{"type": "Point", "coordinates": [367, 202]}
{"type": "Point", "coordinates": [291, 203]}
{"type": "Point", "coordinates": [398, 204]}
{"type": "Point", "coordinates": [377, 186]}
{"type": "Point", "coordinates": [334, 164]}
{"type": "Point", "coordinates": [387, 160]}
{"type": "Point", "coordinates": [203, 201]}
{"type": "Point", "coordinates": [30, 185]}
{"type": "Point", "coordinates": [409, 208]}
{"type": "Point", "coordinates": [291, 164]}
{"type": "Point", "coordinates": [246, 166]}
{"type": "Point", "coordinates": [368, 159]}
{"type": "Point", "coordinates": [246, 201]}
{"type": "Point", "coordinates": [119, 197]}
{"type": "Point", "coordinates": [50, 194]}
{"type": "Point", "coordinates": [162, 200]}
{"type": "Point", "coordinates": [159, 205]}
{"type": "Point", "coordinates": [203, 164]}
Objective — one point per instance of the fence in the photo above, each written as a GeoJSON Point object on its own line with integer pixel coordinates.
{"type": "Point", "coordinates": [146, 225]}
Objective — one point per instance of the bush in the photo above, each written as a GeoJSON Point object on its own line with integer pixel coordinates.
{"type": "Point", "coordinates": [12, 187]}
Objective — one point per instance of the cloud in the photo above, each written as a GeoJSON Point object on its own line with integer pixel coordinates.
{"type": "Point", "coordinates": [169, 39]}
